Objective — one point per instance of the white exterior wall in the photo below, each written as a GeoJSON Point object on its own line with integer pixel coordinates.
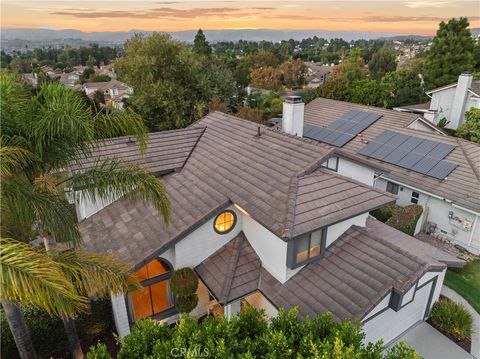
{"type": "Point", "coordinates": [438, 213]}
{"type": "Point", "coordinates": [355, 171]}
{"type": "Point", "coordinates": [336, 230]}
{"type": "Point", "coordinates": [442, 102]}
{"type": "Point", "coordinates": [271, 249]}
{"type": "Point", "coordinates": [86, 206]}
{"type": "Point", "coordinates": [421, 126]}
{"type": "Point", "coordinates": [203, 301]}
{"type": "Point", "coordinates": [389, 324]}
{"type": "Point", "coordinates": [384, 303]}
{"type": "Point", "coordinates": [204, 241]}
{"type": "Point", "coordinates": [258, 300]}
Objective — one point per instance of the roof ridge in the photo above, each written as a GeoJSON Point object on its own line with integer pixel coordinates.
{"type": "Point", "coordinates": [231, 269]}
{"type": "Point", "coordinates": [193, 148]}
{"type": "Point", "coordinates": [291, 205]}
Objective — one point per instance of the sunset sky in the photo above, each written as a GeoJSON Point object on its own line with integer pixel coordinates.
{"type": "Point", "coordinates": [415, 17]}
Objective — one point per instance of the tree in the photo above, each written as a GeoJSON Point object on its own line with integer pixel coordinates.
{"type": "Point", "coordinates": [382, 62]}
{"type": "Point", "coordinates": [452, 53]}
{"type": "Point", "coordinates": [268, 78]}
{"type": "Point", "coordinates": [368, 92]}
{"type": "Point", "coordinates": [167, 91]}
{"type": "Point", "coordinates": [251, 335]}
{"type": "Point", "coordinates": [200, 45]}
{"type": "Point", "coordinates": [250, 113]}
{"type": "Point", "coordinates": [42, 136]}
{"type": "Point", "coordinates": [251, 62]}
{"type": "Point", "coordinates": [404, 87]}
{"type": "Point", "coordinates": [86, 75]}
{"type": "Point", "coordinates": [293, 72]}
{"type": "Point", "coordinates": [470, 129]}
{"type": "Point", "coordinates": [339, 84]}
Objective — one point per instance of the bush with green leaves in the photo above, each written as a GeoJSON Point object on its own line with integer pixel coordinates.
{"type": "Point", "coordinates": [251, 335]}
{"type": "Point", "coordinates": [452, 318]}
{"type": "Point", "coordinates": [470, 129]}
{"type": "Point", "coordinates": [405, 218]}
{"type": "Point", "coordinates": [98, 351]}
{"type": "Point", "coordinates": [184, 282]}
{"type": "Point", "coordinates": [383, 214]}
{"type": "Point", "coordinates": [48, 333]}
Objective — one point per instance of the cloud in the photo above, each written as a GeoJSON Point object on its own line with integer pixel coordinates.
{"type": "Point", "coordinates": [429, 4]}
{"type": "Point", "coordinates": [163, 12]}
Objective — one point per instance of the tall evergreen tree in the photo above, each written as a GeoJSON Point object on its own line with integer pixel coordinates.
{"type": "Point", "coordinates": [451, 53]}
{"type": "Point", "coordinates": [383, 61]}
{"type": "Point", "coordinates": [201, 45]}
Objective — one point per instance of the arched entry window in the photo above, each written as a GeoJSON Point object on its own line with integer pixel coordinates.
{"type": "Point", "coordinates": [155, 297]}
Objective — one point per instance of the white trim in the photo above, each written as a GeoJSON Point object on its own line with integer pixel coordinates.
{"type": "Point", "coordinates": [441, 88]}
{"type": "Point", "coordinates": [474, 227]}
{"type": "Point", "coordinates": [429, 124]}
{"type": "Point", "coordinates": [474, 93]}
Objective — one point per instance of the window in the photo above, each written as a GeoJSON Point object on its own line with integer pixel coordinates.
{"type": "Point", "coordinates": [225, 222]}
{"type": "Point", "coordinates": [305, 248]}
{"type": "Point", "coordinates": [392, 187]}
{"type": "Point", "coordinates": [331, 164]}
{"type": "Point", "coordinates": [155, 296]}
{"type": "Point", "coordinates": [415, 196]}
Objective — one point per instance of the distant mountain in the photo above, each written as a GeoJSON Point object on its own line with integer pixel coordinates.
{"type": "Point", "coordinates": [45, 36]}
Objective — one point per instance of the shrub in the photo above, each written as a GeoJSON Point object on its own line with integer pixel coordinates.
{"type": "Point", "coordinates": [405, 218]}
{"type": "Point", "coordinates": [98, 351]}
{"type": "Point", "coordinates": [250, 335]}
{"type": "Point", "coordinates": [186, 304]}
{"type": "Point", "coordinates": [184, 282]}
{"type": "Point", "coordinates": [48, 334]}
{"type": "Point", "coordinates": [452, 318]}
{"type": "Point", "coordinates": [383, 214]}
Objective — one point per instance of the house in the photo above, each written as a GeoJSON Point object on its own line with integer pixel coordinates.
{"type": "Point", "coordinates": [449, 102]}
{"type": "Point", "coordinates": [450, 197]}
{"type": "Point", "coordinates": [317, 74]}
{"type": "Point", "coordinates": [113, 91]}
{"type": "Point", "coordinates": [70, 79]}
{"type": "Point", "coordinates": [268, 218]}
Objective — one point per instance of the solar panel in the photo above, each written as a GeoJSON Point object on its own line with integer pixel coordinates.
{"type": "Point", "coordinates": [410, 152]}
{"type": "Point", "coordinates": [342, 130]}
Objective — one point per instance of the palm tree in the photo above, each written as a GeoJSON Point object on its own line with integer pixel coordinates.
{"type": "Point", "coordinates": [42, 136]}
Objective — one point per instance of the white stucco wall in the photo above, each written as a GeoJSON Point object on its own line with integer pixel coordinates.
{"type": "Point", "coordinates": [203, 301]}
{"type": "Point", "coordinates": [438, 211]}
{"type": "Point", "coordinates": [336, 230]}
{"type": "Point", "coordinates": [356, 171]}
{"type": "Point", "coordinates": [87, 206]}
{"type": "Point", "coordinates": [120, 315]}
{"type": "Point", "coordinates": [204, 241]}
{"type": "Point", "coordinates": [271, 249]}
{"type": "Point", "coordinates": [442, 102]}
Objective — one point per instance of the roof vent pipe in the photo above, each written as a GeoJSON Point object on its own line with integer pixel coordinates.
{"type": "Point", "coordinates": [293, 113]}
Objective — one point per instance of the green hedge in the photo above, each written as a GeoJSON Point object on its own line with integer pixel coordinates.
{"type": "Point", "coordinates": [383, 214]}
{"type": "Point", "coordinates": [184, 282]}
{"type": "Point", "coordinates": [452, 318]}
{"type": "Point", "coordinates": [48, 334]}
{"type": "Point", "coordinates": [250, 335]}
{"type": "Point", "coordinates": [186, 304]}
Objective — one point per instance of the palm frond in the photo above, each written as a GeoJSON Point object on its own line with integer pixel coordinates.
{"type": "Point", "coordinates": [31, 277]}
{"type": "Point", "coordinates": [12, 158]}
{"type": "Point", "coordinates": [114, 123]}
{"type": "Point", "coordinates": [110, 180]}
{"type": "Point", "coordinates": [94, 274]}
{"type": "Point", "coordinates": [13, 103]}
{"type": "Point", "coordinates": [48, 211]}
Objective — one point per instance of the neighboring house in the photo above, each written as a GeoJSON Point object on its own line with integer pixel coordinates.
{"type": "Point", "coordinates": [450, 102]}
{"type": "Point", "coordinates": [442, 174]}
{"type": "Point", "coordinates": [268, 218]}
{"type": "Point", "coordinates": [113, 91]}
{"type": "Point", "coordinates": [70, 79]}
{"type": "Point", "coordinates": [317, 74]}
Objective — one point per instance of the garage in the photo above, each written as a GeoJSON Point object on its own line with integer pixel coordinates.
{"type": "Point", "coordinates": [388, 324]}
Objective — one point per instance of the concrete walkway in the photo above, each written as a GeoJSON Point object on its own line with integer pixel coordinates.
{"type": "Point", "coordinates": [431, 344]}
{"type": "Point", "coordinates": [452, 295]}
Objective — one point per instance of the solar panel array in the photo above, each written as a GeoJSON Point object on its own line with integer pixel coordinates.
{"type": "Point", "coordinates": [342, 130]}
{"type": "Point", "coordinates": [413, 153]}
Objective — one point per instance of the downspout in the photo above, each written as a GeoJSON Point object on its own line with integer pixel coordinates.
{"type": "Point", "coordinates": [473, 231]}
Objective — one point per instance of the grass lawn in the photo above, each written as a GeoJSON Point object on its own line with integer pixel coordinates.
{"type": "Point", "coordinates": [466, 282]}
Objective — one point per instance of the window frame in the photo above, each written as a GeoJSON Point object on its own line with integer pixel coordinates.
{"type": "Point", "coordinates": [148, 282]}
{"type": "Point", "coordinates": [395, 188]}
{"type": "Point", "coordinates": [327, 163]}
{"type": "Point", "coordinates": [293, 244]}
{"type": "Point", "coordinates": [233, 224]}
{"type": "Point", "coordinates": [414, 198]}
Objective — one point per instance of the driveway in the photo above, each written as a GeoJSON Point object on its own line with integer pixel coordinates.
{"type": "Point", "coordinates": [431, 344]}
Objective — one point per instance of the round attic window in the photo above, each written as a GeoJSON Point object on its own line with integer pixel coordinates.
{"type": "Point", "coordinates": [225, 222]}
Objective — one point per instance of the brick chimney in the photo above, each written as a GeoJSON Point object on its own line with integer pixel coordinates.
{"type": "Point", "coordinates": [293, 111]}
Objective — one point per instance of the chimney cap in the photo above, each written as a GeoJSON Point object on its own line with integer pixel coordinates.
{"type": "Point", "coordinates": [466, 73]}
{"type": "Point", "coordinates": [293, 99]}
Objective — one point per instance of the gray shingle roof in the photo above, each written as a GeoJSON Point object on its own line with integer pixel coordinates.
{"type": "Point", "coordinates": [231, 164]}
{"type": "Point", "coordinates": [166, 151]}
{"type": "Point", "coordinates": [358, 270]}
{"type": "Point", "coordinates": [462, 186]}
{"type": "Point", "coordinates": [475, 87]}
{"type": "Point", "coordinates": [231, 272]}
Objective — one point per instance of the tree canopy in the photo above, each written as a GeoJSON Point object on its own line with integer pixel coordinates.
{"type": "Point", "coordinates": [200, 44]}
{"type": "Point", "coordinates": [382, 62]}
{"type": "Point", "coordinates": [452, 53]}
